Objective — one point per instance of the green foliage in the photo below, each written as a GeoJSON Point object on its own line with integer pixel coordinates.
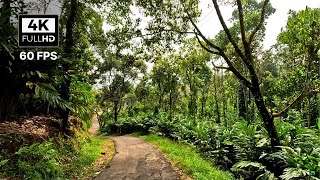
{"type": "Point", "coordinates": [3, 162]}
{"type": "Point", "coordinates": [39, 161]}
{"type": "Point", "coordinates": [300, 164]}
{"type": "Point", "coordinates": [244, 148]}
{"type": "Point", "coordinates": [58, 158]}
{"type": "Point", "coordinates": [86, 155]}
{"type": "Point", "coordinates": [184, 96]}
{"type": "Point", "coordinates": [301, 30]}
{"type": "Point", "coordinates": [83, 101]}
{"type": "Point", "coordinates": [249, 169]}
{"type": "Point", "coordinates": [49, 94]}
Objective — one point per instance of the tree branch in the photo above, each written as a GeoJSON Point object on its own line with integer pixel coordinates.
{"type": "Point", "coordinates": [168, 30]}
{"type": "Point", "coordinates": [202, 36]}
{"type": "Point", "coordinates": [220, 50]}
{"type": "Point", "coordinates": [235, 71]}
{"type": "Point", "coordinates": [242, 28]}
{"type": "Point", "coordinates": [220, 67]}
{"type": "Point", "coordinates": [204, 47]}
{"type": "Point", "coordinates": [227, 31]}
{"type": "Point", "coordinates": [302, 94]}
{"type": "Point", "coordinates": [292, 104]}
{"type": "Point", "coordinates": [296, 101]}
{"type": "Point", "coordinates": [263, 12]}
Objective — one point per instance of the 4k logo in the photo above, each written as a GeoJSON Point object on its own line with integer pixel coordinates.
{"type": "Point", "coordinates": [41, 25]}
{"type": "Point", "coordinates": [38, 30]}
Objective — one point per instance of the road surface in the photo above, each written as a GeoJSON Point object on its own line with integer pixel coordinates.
{"type": "Point", "coordinates": [136, 159]}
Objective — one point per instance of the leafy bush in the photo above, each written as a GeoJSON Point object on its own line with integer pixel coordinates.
{"type": "Point", "coordinates": [39, 161]}
{"type": "Point", "coordinates": [299, 165]}
{"type": "Point", "coordinates": [248, 170]}
{"type": "Point", "coordinates": [58, 158]}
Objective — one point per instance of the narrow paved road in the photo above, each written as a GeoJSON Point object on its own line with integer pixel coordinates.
{"type": "Point", "coordinates": [136, 159]}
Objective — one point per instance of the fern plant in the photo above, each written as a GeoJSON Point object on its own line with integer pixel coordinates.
{"type": "Point", "coordinates": [48, 93]}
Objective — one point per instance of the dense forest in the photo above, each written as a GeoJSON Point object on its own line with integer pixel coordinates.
{"type": "Point", "coordinates": [147, 66]}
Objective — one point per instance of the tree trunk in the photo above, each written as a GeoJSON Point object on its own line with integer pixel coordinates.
{"type": "Point", "coordinates": [170, 105]}
{"type": "Point", "coordinates": [267, 117]}
{"type": "Point", "coordinates": [216, 100]}
{"type": "Point", "coordinates": [204, 101]}
{"type": "Point", "coordinates": [157, 107]}
{"type": "Point", "coordinates": [65, 87]}
{"type": "Point", "coordinates": [242, 102]}
{"type": "Point", "coordinates": [224, 102]}
{"type": "Point", "coordinates": [6, 6]}
{"type": "Point", "coordinates": [115, 111]}
{"type": "Point", "coordinates": [217, 109]}
{"type": "Point", "coordinates": [314, 112]}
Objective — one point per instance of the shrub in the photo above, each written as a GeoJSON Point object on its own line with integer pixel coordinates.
{"type": "Point", "coordinates": [39, 161]}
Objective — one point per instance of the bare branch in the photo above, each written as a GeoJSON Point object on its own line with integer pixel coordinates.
{"type": "Point", "coordinates": [220, 67]}
{"type": "Point", "coordinates": [227, 31]}
{"type": "Point", "coordinates": [262, 17]}
{"type": "Point", "coordinates": [296, 101]}
{"type": "Point", "coordinates": [204, 47]}
{"type": "Point", "coordinates": [235, 71]}
{"type": "Point", "coordinates": [292, 104]}
{"type": "Point", "coordinates": [202, 36]}
{"type": "Point", "coordinates": [168, 30]}
{"type": "Point", "coordinates": [242, 29]}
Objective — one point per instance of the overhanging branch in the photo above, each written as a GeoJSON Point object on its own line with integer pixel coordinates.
{"type": "Point", "coordinates": [295, 102]}
{"type": "Point", "coordinates": [204, 47]}
{"type": "Point", "coordinates": [168, 30]}
{"type": "Point", "coordinates": [220, 67]}
{"type": "Point", "coordinates": [235, 71]}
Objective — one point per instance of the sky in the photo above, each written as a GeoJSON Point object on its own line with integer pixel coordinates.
{"type": "Point", "coordinates": [210, 25]}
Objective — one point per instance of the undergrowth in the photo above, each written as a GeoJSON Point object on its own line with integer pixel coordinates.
{"type": "Point", "coordinates": [57, 158]}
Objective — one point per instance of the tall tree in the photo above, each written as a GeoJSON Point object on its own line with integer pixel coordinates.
{"type": "Point", "coordinates": [69, 43]}
{"type": "Point", "coordinates": [246, 57]}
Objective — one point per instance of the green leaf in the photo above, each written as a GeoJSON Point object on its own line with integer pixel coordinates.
{"type": "Point", "coordinates": [3, 162]}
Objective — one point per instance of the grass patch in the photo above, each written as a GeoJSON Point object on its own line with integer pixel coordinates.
{"type": "Point", "coordinates": [187, 159]}
{"type": "Point", "coordinates": [92, 157]}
